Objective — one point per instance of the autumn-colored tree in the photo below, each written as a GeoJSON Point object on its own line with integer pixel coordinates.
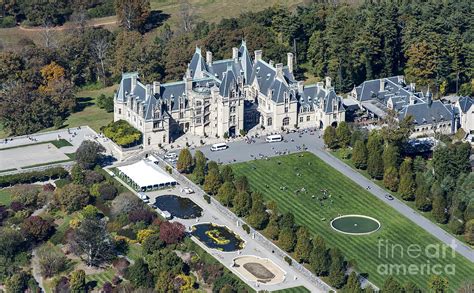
{"type": "Point", "coordinates": [185, 161]}
{"type": "Point", "coordinates": [171, 233]}
{"type": "Point", "coordinates": [72, 197]}
{"type": "Point", "coordinates": [37, 229]}
{"type": "Point", "coordinates": [421, 63]}
{"type": "Point", "coordinates": [132, 14]}
{"type": "Point", "coordinates": [390, 178]}
{"type": "Point", "coordinates": [226, 193]}
{"type": "Point", "coordinates": [287, 239]}
{"type": "Point", "coordinates": [212, 181]}
{"type": "Point", "coordinates": [57, 86]}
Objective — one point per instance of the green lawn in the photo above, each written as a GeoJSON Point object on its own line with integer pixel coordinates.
{"type": "Point", "coordinates": [5, 197]}
{"type": "Point", "coordinates": [411, 204]}
{"type": "Point", "coordinates": [99, 279]}
{"type": "Point", "coordinates": [299, 289]}
{"type": "Point", "coordinates": [396, 233]}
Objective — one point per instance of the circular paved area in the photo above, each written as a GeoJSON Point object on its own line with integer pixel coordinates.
{"type": "Point", "coordinates": [256, 269]}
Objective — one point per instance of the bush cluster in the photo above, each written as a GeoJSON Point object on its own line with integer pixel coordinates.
{"type": "Point", "coordinates": [31, 177]}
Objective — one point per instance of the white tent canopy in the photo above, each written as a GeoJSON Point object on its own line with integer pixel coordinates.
{"type": "Point", "coordinates": [146, 175]}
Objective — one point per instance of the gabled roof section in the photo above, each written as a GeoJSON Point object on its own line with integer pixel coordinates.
{"type": "Point", "coordinates": [246, 62]}
{"type": "Point", "coordinates": [424, 113]}
{"type": "Point", "coordinates": [228, 83]}
{"type": "Point", "coordinates": [197, 65]}
{"type": "Point", "coordinates": [465, 103]}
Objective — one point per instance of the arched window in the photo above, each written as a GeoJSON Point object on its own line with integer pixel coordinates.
{"type": "Point", "coordinates": [286, 121]}
{"type": "Point", "coordinates": [269, 121]}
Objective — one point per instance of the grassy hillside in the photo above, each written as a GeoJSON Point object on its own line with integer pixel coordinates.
{"type": "Point", "coordinates": [349, 198]}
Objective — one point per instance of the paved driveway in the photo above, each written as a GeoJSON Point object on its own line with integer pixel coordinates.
{"type": "Point", "coordinates": [241, 151]}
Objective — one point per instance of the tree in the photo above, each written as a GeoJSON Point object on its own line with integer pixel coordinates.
{"type": "Point", "coordinates": [359, 155]}
{"type": "Point", "coordinates": [374, 156]}
{"type": "Point", "coordinates": [343, 134]}
{"type": "Point", "coordinates": [391, 285]}
{"type": "Point", "coordinates": [92, 240]}
{"type": "Point", "coordinates": [390, 156]}
{"type": "Point", "coordinates": [185, 161]}
{"type": "Point", "coordinates": [106, 102]}
{"type": "Point", "coordinates": [319, 259]}
{"type": "Point", "coordinates": [77, 174]}
{"type": "Point", "coordinates": [132, 14]}
{"type": "Point", "coordinates": [337, 277]}
{"type": "Point", "coordinates": [469, 232]}
{"type": "Point", "coordinates": [171, 233]}
{"type": "Point", "coordinates": [353, 284]}
{"type": "Point", "coordinates": [77, 281]}
{"type": "Point", "coordinates": [57, 87]}
{"type": "Point", "coordinates": [439, 204]}
{"type": "Point", "coordinates": [287, 239]}
{"type": "Point", "coordinates": [88, 154]}
{"type": "Point", "coordinates": [199, 170]}
{"type": "Point", "coordinates": [226, 193]}
{"type": "Point", "coordinates": [411, 287]}
{"type": "Point", "coordinates": [51, 260]}
{"type": "Point", "coordinates": [11, 242]}
{"type": "Point", "coordinates": [122, 133]}
{"type": "Point", "coordinates": [212, 182]}
{"type": "Point", "coordinates": [390, 178]}
{"type": "Point", "coordinates": [303, 245]}
{"type": "Point", "coordinates": [422, 196]}
{"type": "Point", "coordinates": [227, 173]}
{"type": "Point", "coordinates": [242, 184]}
{"type": "Point", "coordinates": [17, 283]}
{"type": "Point", "coordinates": [438, 284]}
{"type": "Point", "coordinates": [407, 183]}
{"type": "Point", "coordinates": [37, 229]}
{"type": "Point", "coordinates": [330, 137]}
{"type": "Point", "coordinates": [258, 216]}
{"type": "Point", "coordinates": [72, 197]}
{"type": "Point", "coordinates": [139, 275]}
{"type": "Point", "coordinates": [242, 203]}
{"type": "Point", "coordinates": [421, 63]}
{"type": "Point", "coordinates": [287, 221]}
{"type": "Point", "coordinates": [272, 230]}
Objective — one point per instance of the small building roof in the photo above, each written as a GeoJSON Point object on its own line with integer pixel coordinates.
{"type": "Point", "coordinates": [145, 173]}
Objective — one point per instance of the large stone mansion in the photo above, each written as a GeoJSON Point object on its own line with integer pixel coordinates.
{"type": "Point", "coordinates": [221, 98]}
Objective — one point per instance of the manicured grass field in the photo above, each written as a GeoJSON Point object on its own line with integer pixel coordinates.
{"type": "Point", "coordinates": [98, 280]}
{"type": "Point", "coordinates": [299, 289]}
{"type": "Point", "coordinates": [397, 233]}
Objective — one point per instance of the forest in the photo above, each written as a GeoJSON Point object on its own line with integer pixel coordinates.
{"type": "Point", "coordinates": [431, 43]}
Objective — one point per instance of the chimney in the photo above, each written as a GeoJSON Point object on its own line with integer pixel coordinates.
{"type": "Point", "coordinates": [209, 57]}
{"type": "Point", "coordinates": [328, 82]}
{"type": "Point", "coordinates": [290, 62]}
{"type": "Point", "coordinates": [134, 82]}
{"type": "Point", "coordinates": [148, 91]}
{"type": "Point", "coordinates": [412, 86]}
{"type": "Point", "coordinates": [412, 100]}
{"type": "Point", "coordinates": [279, 69]}
{"type": "Point", "coordinates": [235, 53]}
{"type": "Point", "coordinates": [382, 85]}
{"type": "Point", "coordinates": [258, 55]}
{"type": "Point", "coordinates": [271, 62]}
{"type": "Point", "coordinates": [300, 86]}
{"type": "Point", "coordinates": [157, 87]}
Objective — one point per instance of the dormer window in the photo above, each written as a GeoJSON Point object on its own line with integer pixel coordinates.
{"type": "Point", "coordinates": [258, 69]}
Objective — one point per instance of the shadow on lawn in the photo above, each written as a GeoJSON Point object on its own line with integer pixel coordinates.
{"type": "Point", "coordinates": [82, 103]}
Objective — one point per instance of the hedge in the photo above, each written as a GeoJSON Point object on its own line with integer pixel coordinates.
{"type": "Point", "coordinates": [34, 176]}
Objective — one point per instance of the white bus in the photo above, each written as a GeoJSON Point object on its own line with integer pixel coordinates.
{"type": "Point", "coordinates": [274, 138]}
{"type": "Point", "coordinates": [219, 147]}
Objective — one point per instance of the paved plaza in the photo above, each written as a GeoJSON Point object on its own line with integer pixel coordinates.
{"type": "Point", "coordinates": [30, 155]}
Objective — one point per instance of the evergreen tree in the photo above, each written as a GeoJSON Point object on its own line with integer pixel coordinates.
{"type": "Point", "coordinates": [185, 161]}
{"type": "Point", "coordinates": [422, 196]}
{"type": "Point", "coordinates": [337, 277]}
{"type": "Point", "coordinates": [330, 138]}
{"type": "Point", "coordinates": [353, 284]}
{"type": "Point", "coordinates": [242, 203]}
{"type": "Point", "coordinates": [199, 170]}
{"type": "Point", "coordinates": [272, 230]}
{"type": "Point", "coordinates": [287, 239]}
{"type": "Point", "coordinates": [390, 178]}
{"type": "Point", "coordinates": [374, 160]}
{"type": "Point", "coordinates": [287, 221]}
{"type": "Point", "coordinates": [390, 156]}
{"type": "Point", "coordinates": [303, 245]}
{"type": "Point", "coordinates": [469, 232]}
{"type": "Point", "coordinates": [258, 217]}
{"type": "Point", "coordinates": [407, 183]}
{"type": "Point", "coordinates": [439, 204]}
{"type": "Point", "coordinates": [319, 258]}
{"type": "Point", "coordinates": [343, 134]}
{"type": "Point", "coordinates": [359, 155]}
{"type": "Point", "coordinates": [212, 181]}
{"type": "Point", "coordinates": [139, 275]}
{"type": "Point", "coordinates": [226, 193]}
{"type": "Point", "coordinates": [242, 184]}
{"type": "Point", "coordinates": [227, 173]}
{"type": "Point", "coordinates": [77, 174]}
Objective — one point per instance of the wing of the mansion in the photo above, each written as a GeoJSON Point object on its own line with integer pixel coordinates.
{"type": "Point", "coordinates": [221, 98]}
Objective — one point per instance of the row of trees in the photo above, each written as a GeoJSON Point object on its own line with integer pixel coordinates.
{"type": "Point", "coordinates": [235, 193]}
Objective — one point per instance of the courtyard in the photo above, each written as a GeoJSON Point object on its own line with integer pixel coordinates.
{"type": "Point", "coordinates": [316, 193]}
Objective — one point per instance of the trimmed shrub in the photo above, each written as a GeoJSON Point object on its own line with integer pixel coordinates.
{"type": "Point", "coordinates": [122, 133]}
{"type": "Point", "coordinates": [246, 228]}
{"type": "Point", "coordinates": [288, 260]}
{"type": "Point", "coordinates": [207, 198]}
{"type": "Point", "coordinates": [31, 177]}
{"type": "Point", "coordinates": [107, 191]}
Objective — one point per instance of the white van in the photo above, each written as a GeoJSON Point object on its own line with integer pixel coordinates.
{"type": "Point", "coordinates": [219, 147]}
{"type": "Point", "coordinates": [274, 138]}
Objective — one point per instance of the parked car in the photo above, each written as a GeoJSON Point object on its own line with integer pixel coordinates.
{"type": "Point", "coordinates": [170, 156]}
{"type": "Point", "coordinates": [187, 190]}
{"type": "Point", "coordinates": [388, 196]}
{"type": "Point", "coordinates": [144, 197]}
{"type": "Point", "coordinates": [166, 215]}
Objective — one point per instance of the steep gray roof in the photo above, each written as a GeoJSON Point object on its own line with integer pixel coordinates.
{"type": "Point", "coordinates": [264, 74]}
{"type": "Point", "coordinates": [197, 64]}
{"type": "Point", "coordinates": [465, 103]}
{"type": "Point", "coordinates": [228, 83]}
{"type": "Point", "coordinates": [424, 113]}
{"type": "Point", "coordinates": [316, 95]}
{"type": "Point", "coordinates": [246, 62]}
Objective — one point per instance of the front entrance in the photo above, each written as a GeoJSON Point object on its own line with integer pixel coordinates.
{"type": "Point", "coordinates": [232, 131]}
